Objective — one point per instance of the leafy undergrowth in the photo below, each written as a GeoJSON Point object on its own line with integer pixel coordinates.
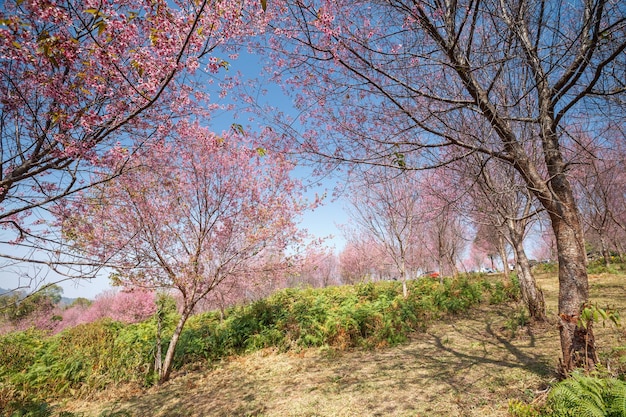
{"type": "Point", "coordinates": [88, 358]}
{"type": "Point", "coordinates": [343, 352]}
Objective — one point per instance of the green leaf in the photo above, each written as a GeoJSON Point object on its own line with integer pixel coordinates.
{"type": "Point", "coordinates": [399, 159]}
{"type": "Point", "coordinates": [101, 25]}
{"type": "Point", "coordinates": [264, 5]}
{"type": "Point", "coordinates": [238, 128]}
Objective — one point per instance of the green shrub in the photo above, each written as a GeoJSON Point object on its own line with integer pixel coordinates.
{"type": "Point", "coordinates": [600, 268]}
{"type": "Point", "coordinates": [80, 360]}
{"type": "Point", "coordinates": [546, 267]}
{"type": "Point", "coordinates": [520, 409]}
{"type": "Point", "coordinates": [87, 358]}
{"type": "Point", "coordinates": [20, 349]}
{"type": "Point", "coordinates": [497, 294]}
{"type": "Point", "coordinates": [29, 408]}
{"type": "Point", "coordinates": [520, 318]}
{"type": "Point", "coordinates": [590, 396]}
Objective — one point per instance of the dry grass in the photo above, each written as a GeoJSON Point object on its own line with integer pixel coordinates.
{"type": "Point", "coordinates": [469, 366]}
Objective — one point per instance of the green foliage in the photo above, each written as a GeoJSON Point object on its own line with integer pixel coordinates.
{"type": "Point", "coordinates": [520, 409]}
{"type": "Point", "coordinates": [591, 313]}
{"type": "Point", "coordinates": [587, 396]}
{"type": "Point", "coordinates": [30, 409]}
{"type": "Point", "coordinates": [89, 357]}
{"type": "Point", "coordinates": [597, 266]}
{"type": "Point", "coordinates": [546, 267]}
{"type": "Point", "coordinates": [20, 349]}
{"type": "Point", "coordinates": [500, 291]}
{"type": "Point", "coordinates": [519, 319]}
{"type": "Point", "coordinates": [75, 362]}
{"type": "Point", "coordinates": [80, 302]}
{"type": "Point", "coordinates": [15, 307]}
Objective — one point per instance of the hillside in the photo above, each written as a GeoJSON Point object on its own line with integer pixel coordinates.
{"type": "Point", "coordinates": [467, 366]}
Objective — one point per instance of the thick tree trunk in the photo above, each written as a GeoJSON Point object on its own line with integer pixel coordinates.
{"type": "Point", "coordinates": [577, 342]}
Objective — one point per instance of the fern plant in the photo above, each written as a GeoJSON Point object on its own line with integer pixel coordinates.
{"type": "Point", "coordinates": [586, 396]}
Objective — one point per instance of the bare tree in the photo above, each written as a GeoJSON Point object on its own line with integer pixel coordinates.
{"type": "Point", "coordinates": [501, 200]}
{"type": "Point", "coordinates": [388, 210]}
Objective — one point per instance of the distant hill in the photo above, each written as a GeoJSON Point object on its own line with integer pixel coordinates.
{"type": "Point", "coordinates": [65, 301]}
{"type": "Point", "coordinates": [4, 291]}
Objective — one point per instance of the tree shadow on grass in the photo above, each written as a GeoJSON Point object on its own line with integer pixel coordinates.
{"type": "Point", "coordinates": [453, 369]}
{"type": "Point", "coordinates": [192, 396]}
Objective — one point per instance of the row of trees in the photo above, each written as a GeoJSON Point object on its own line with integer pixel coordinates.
{"type": "Point", "coordinates": [98, 97]}
{"type": "Point", "coordinates": [423, 84]}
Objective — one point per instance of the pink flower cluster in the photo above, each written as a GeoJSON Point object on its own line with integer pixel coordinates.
{"type": "Point", "coordinates": [130, 306]}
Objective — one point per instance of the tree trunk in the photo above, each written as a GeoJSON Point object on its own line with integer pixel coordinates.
{"type": "Point", "coordinates": [577, 342]}
{"type": "Point", "coordinates": [505, 261]}
{"type": "Point", "coordinates": [405, 290]}
{"type": "Point", "coordinates": [532, 296]}
{"type": "Point", "coordinates": [158, 354]}
{"type": "Point", "coordinates": [620, 253]}
{"type": "Point", "coordinates": [605, 251]}
{"type": "Point", "coordinates": [171, 349]}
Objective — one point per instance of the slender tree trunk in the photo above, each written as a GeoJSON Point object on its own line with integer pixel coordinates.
{"type": "Point", "coordinates": [171, 349]}
{"type": "Point", "coordinates": [531, 294]}
{"type": "Point", "coordinates": [605, 251]}
{"type": "Point", "coordinates": [455, 270]}
{"type": "Point", "coordinates": [158, 354]}
{"type": "Point", "coordinates": [502, 250]}
{"type": "Point", "coordinates": [405, 290]}
{"type": "Point", "coordinates": [577, 342]}
{"type": "Point", "coordinates": [620, 251]}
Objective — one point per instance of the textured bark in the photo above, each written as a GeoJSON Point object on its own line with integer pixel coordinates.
{"type": "Point", "coordinates": [577, 342]}
{"type": "Point", "coordinates": [531, 294]}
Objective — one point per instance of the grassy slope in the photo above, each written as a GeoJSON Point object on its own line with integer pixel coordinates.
{"type": "Point", "coordinates": [470, 366]}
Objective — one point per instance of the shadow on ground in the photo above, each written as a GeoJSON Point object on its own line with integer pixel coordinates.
{"type": "Point", "coordinates": [469, 366]}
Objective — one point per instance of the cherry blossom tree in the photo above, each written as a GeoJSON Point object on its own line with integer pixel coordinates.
{"type": "Point", "coordinates": [599, 183]}
{"type": "Point", "coordinates": [77, 78]}
{"type": "Point", "coordinates": [447, 236]}
{"type": "Point", "coordinates": [359, 259]}
{"type": "Point", "coordinates": [382, 80]}
{"type": "Point", "coordinates": [190, 214]}
{"type": "Point", "coordinates": [387, 208]}
{"type": "Point", "coordinates": [319, 267]}
{"type": "Point", "coordinates": [446, 226]}
{"type": "Point", "coordinates": [19, 311]}
{"type": "Point", "coordinates": [488, 242]}
{"type": "Point", "coordinates": [501, 201]}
